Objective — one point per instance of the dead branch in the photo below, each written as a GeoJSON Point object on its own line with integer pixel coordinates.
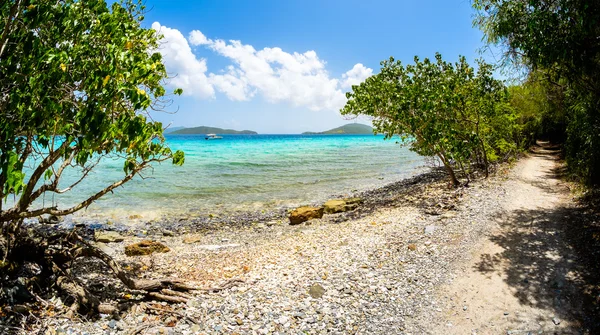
{"type": "Point", "coordinates": [167, 298]}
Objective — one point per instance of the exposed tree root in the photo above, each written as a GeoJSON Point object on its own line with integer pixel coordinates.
{"type": "Point", "coordinates": [55, 255]}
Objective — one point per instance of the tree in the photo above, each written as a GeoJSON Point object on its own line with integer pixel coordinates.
{"type": "Point", "coordinates": [77, 82]}
{"type": "Point", "coordinates": [559, 39]}
{"type": "Point", "coordinates": [443, 109]}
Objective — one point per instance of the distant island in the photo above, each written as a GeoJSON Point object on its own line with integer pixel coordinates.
{"type": "Point", "coordinates": [172, 129]}
{"type": "Point", "coordinates": [348, 129]}
{"type": "Point", "coordinates": [211, 130]}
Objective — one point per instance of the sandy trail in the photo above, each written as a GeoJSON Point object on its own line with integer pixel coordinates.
{"type": "Point", "coordinates": [522, 278]}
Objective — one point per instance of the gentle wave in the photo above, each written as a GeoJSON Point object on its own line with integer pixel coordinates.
{"type": "Point", "coordinates": [242, 171]}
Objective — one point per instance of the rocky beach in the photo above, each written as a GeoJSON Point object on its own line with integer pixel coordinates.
{"type": "Point", "coordinates": [383, 267]}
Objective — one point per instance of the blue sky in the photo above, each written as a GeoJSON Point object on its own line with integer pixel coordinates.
{"type": "Point", "coordinates": [283, 66]}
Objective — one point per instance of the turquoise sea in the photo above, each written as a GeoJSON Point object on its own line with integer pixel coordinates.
{"type": "Point", "coordinates": [249, 172]}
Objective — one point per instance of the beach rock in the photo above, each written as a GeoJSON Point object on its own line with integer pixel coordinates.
{"type": "Point", "coordinates": [430, 229]}
{"type": "Point", "coordinates": [107, 236]}
{"type": "Point", "coordinates": [316, 291]}
{"type": "Point", "coordinates": [51, 219]}
{"type": "Point", "coordinates": [412, 247]}
{"type": "Point", "coordinates": [334, 206]}
{"type": "Point", "coordinates": [341, 205]}
{"type": "Point", "coordinates": [146, 247]}
{"type": "Point", "coordinates": [192, 239]}
{"type": "Point", "coordinates": [302, 214]}
{"type": "Point", "coordinates": [353, 201]}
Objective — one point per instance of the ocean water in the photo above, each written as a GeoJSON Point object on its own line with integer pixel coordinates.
{"type": "Point", "coordinates": [248, 172]}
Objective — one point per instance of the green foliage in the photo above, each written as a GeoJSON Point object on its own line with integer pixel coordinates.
{"type": "Point", "coordinates": [77, 80]}
{"type": "Point", "coordinates": [557, 41]}
{"type": "Point", "coordinates": [446, 110]}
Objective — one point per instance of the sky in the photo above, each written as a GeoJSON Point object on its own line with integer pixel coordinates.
{"type": "Point", "coordinates": [280, 67]}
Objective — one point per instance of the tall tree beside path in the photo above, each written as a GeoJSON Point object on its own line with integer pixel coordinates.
{"type": "Point", "coordinates": [560, 39]}
{"type": "Point", "coordinates": [451, 111]}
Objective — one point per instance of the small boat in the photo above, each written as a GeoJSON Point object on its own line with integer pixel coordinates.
{"type": "Point", "coordinates": [212, 137]}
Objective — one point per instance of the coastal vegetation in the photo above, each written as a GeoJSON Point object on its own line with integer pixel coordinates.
{"type": "Point", "coordinates": [347, 129]}
{"type": "Point", "coordinates": [452, 111]}
{"type": "Point", "coordinates": [466, 118]}
{"type": "Point", "coordinates": [77, 84]}
{"type": "Point", "coordinates": [554, 49]}
{"type": "Point", "coordinates": [211, 130]}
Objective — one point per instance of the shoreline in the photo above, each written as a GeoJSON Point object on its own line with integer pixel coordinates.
{"type": "Point", "coordinates": [373, 198]}
{"type": "Point", "coordinates": [335, 252]}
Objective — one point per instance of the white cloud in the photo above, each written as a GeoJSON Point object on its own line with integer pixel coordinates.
{"type": "Point", "coordinates": [298, 78]}
{"type": "Point", "coordinates": [198, 38]}
{"type": "Point", "coordinates": [357, 75]}
{"type": "Point", "coordinates": [233, 84]}
{"type": "Point", "coordinates": [189, 72]}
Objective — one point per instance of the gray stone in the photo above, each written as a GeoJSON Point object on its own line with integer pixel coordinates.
{"type": "Point", "coordinates": [316, 291]}
{"type": "Point", "coordinates": [430, 229]}
{"type": "Point", "coordinates": [108, 236]}
{"type": "Point", "coordinates": [556, 321]}
{"type": "Point", "coordinates": [299, 315]}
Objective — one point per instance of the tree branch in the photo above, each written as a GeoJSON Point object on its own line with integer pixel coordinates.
{"type": "Point", "coordinates": [52, 157]}
{"type": "Point", "coordinates": [14, 213]}
{"type": "Point", "coordinates": [14, 13]}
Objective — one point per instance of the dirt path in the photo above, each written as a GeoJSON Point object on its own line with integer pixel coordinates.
{"type": "Point", "coordinates": [523, 279]}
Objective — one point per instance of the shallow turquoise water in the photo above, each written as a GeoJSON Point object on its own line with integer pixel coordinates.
{"type": "Point", "coordinates": [249, 172]}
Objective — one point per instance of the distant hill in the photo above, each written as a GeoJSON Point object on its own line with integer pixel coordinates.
{"type": "Point", "coordinates": [211, 130]}
{"type": "Point", "coordinates": [172, 129]}
{"type": "Point", "coordinates": [350, 129]}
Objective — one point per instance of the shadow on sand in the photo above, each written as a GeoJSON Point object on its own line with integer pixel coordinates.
{"type": "Point", "coordinates": [552, 256]}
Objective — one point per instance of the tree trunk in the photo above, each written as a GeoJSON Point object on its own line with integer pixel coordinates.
{"type": "Point", "coordinates": [485, 160]}
{"type": "Point", "coordinates": [455, 182]}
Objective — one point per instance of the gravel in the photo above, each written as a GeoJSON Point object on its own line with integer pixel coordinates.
{"type": "Point", "coordinates": [374, 270]}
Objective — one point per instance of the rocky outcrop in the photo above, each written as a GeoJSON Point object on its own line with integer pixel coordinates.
{"type": "Point", "coordinates": [302, 214]}
{"type": "Point", "coordinates": [341, 205]}
{"type": "Point", "coordinates": [146, 247]}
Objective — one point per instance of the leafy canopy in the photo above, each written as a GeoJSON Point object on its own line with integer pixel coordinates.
{"type": "Point", "coordinates": [77, 82]}
{"type": "Point", "coordinates": [446, 110]}
{"type": "Point", "coordinates": [558, 43]}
